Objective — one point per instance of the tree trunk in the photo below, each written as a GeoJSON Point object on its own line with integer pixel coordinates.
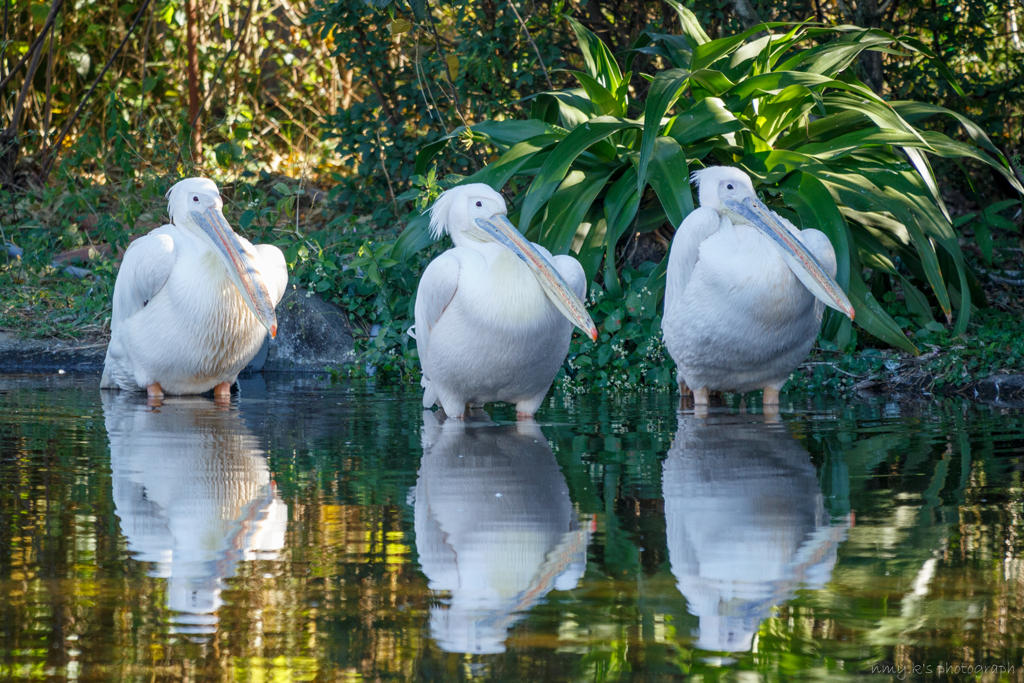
{"type": "Point", "coordinates": [346, 82]}
{"type": "Point", "coordinates": [868, 16]}
{"type": "Point", "coordinates": [10, 146]}
{"type": "Point", "coordinates": [191, 38]}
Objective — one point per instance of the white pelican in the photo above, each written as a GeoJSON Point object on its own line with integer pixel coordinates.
{"type": "Point", "coordinates": [494, 314]}
{"type": "Point", "coordinates": [495, 528]}
{"type": "Point", "coordinates": [194, 495]}
{"type": "Point", "coordinates": [192, 301]}
{"type": "Point", "coordinates": [745, 524]}
{"type": "Point", "coordinates": [740, 309]}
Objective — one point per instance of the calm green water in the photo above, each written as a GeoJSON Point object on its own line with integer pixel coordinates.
{"type": "Point", "coordinates": [319, 532]}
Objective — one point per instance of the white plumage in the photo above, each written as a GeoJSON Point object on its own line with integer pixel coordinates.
{"type": "Point", "coordinates": [179, 319]}
{"type": "Point", "coordinates": [737, 318]}
{"type": "Point", "coordinates": [489, 326]}
{"type": "Point", "coordinates": [193, 493]}
{"type": "Point", "coordinates": [495, 528]}
{"type": "Point", "coordinates": [746, 524]}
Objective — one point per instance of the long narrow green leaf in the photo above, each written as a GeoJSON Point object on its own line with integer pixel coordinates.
{"type": "Point", "coordinates": [708, 53]}
{"type": "Point", "coordinates": [861, 194]}
{"type": "Point", "coordinates": [677, 48]}
{"type": "Point", "coordinates": [603, 99]}
{"type": "Point", "coordinates": [862, 100]}
{"type": "Point", "coordinates": [706, 119]}
{"type": "Point", "coordinates": [667, 87]}
{"type": "Point", "coordinates": [916, 111]}
{"type": "Point", "coordinates": [714, 83]}
{"type": "Point", "coordinates": [909, 188]}
{"type": "Point", "coordinates": [779, 112]}
{"type": "Point", "coordinates": [503, 134]}
{"type": "Point", "coordinates": [592, 250]}
{"type": "Point", "coordinates": [620, 207]}
{"type": "Point", "coordinates": [835, 56]}
{"type": "Point", "coordinates": [670, 178]}
{"type": "Point", "coordinates": [690, 25]}
{"type": "Point", "coordinates": [568, 205]}
{"type": "Point", "coordinates": [924, 169]}
{"type": "Point", "coordinates": [554, 169]}
{"type": "Point", "coordinates": [599, 61]}
{"type": "Point", "coordinates": [573, 105]}
{"type": "Point", "coordinates": [870, 315]}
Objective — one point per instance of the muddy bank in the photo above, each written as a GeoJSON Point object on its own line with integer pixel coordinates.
{"type": "Point", "coordinates": [309, 343]}
{"type": "Point", "coordinates": [312, 335]}
{"type": "Point", "coordinates": [50, 355]}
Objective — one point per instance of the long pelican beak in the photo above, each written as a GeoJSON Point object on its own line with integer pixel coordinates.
{"type": "Point", "coordinates": [241, 268]}
{"type": "Point", "coordinates": [500, 229]}
{"type": "Point", "coordinates": [800, 261]}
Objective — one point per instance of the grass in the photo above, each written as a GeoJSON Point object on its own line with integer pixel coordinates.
{"type": "Point", "coordinates": [53, 306]}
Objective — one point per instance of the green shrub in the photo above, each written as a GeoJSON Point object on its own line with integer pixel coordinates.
{"type": "Point", "coordinates": [591, 164]}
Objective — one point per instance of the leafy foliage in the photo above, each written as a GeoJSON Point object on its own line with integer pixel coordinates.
{"type": "Point", "coordinates": [428, 69]}
{"type": "Point", "coordinates": [825, 150]}
{"type": "Point", "coordinates": [266, 85]}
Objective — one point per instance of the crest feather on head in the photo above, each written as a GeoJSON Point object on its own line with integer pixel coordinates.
{"type": "Point", "coordinates": [698, 175]}
{"type": "Point", "coordinates": [439, 212]}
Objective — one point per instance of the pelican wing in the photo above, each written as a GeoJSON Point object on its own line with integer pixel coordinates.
{"type": "Point", "coordinates": [698, 226]}
{"type": "Point", "coordinates": [273, 268]}
{"type": "Point", "coordinates": [145, 268]}
{"type": "Point", "coordinates": [437, 289]}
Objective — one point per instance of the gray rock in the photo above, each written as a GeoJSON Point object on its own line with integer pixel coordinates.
{"type": "Point", "coordinates": [999, 390]}
{"type": "Point", "coordinates": [34, 355]}
{"type": "Point", "coordinates": [311, 335]}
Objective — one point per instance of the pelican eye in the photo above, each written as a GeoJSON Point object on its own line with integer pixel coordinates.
{"type": "Point", "coordinates": [729, 186]}
{"type": "Point", "coordinates": [196, 199]}
{"type": "Point", "coordinates": [479, 204]}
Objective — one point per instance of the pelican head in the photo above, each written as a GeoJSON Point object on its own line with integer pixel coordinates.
{"type": "Point", "coordinates": [194, 204]}
{"type": "Point", "coordinates": [729, 191]}
{"type": "Point", "coordinates": [477, 213]}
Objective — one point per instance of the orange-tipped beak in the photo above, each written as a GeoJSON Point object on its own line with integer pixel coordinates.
{"type": "Point", "coordinates": [499, 228]}
{"type": "Point", "coordinates": [794, 253]}
{"type": "Point", "coordinates": [241, 268]}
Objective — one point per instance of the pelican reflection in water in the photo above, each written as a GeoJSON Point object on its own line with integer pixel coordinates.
{"type": "Point", "coordinates": [495, 528]}
{"type": "Point", "coordinates": [193, 492]}
{"type": "Point", "coordinates": [746, 524]}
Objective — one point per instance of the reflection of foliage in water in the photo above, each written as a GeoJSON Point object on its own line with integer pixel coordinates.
{"type": "Point", "coordinates": [934, 489]}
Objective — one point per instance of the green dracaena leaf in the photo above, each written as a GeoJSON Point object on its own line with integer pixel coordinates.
{"type": "Point", "coordinates": [568, 205]}
{"type": "Point", "coordinates": [667, 87]}
{"type": "Point", "coordinates": [599, 61]}
{"type": "Point", "coordinates": [554, 169]}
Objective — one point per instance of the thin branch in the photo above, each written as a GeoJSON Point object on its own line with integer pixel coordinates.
{"type": "Point", "coordinates": [35, 43]}
{"type": "Point", "coordinates": [48, 106]}
{"type": "Point", "coordinates": [384, 167]}
{"type": "Point", "coordinates": [234, 45]}
{"type": "Point", "coordinates": [881, 10]}
{"type": "Point", "coordinates": [3, 45]}
{"type": "Point", "coordinates": [55, 150]}
{"type": "Point", "coordinates": [191, 40]}
{"type": "Point", "coordinates": [19, 106]}
{"type": "Point", "coordinates": [540, 59]}
{"type": "Point", "coordinates": [424, 87]}
{"type": "Point", "coordinates": [142, 78]}
{"type": "Point", "coordinates": [444, 58]}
